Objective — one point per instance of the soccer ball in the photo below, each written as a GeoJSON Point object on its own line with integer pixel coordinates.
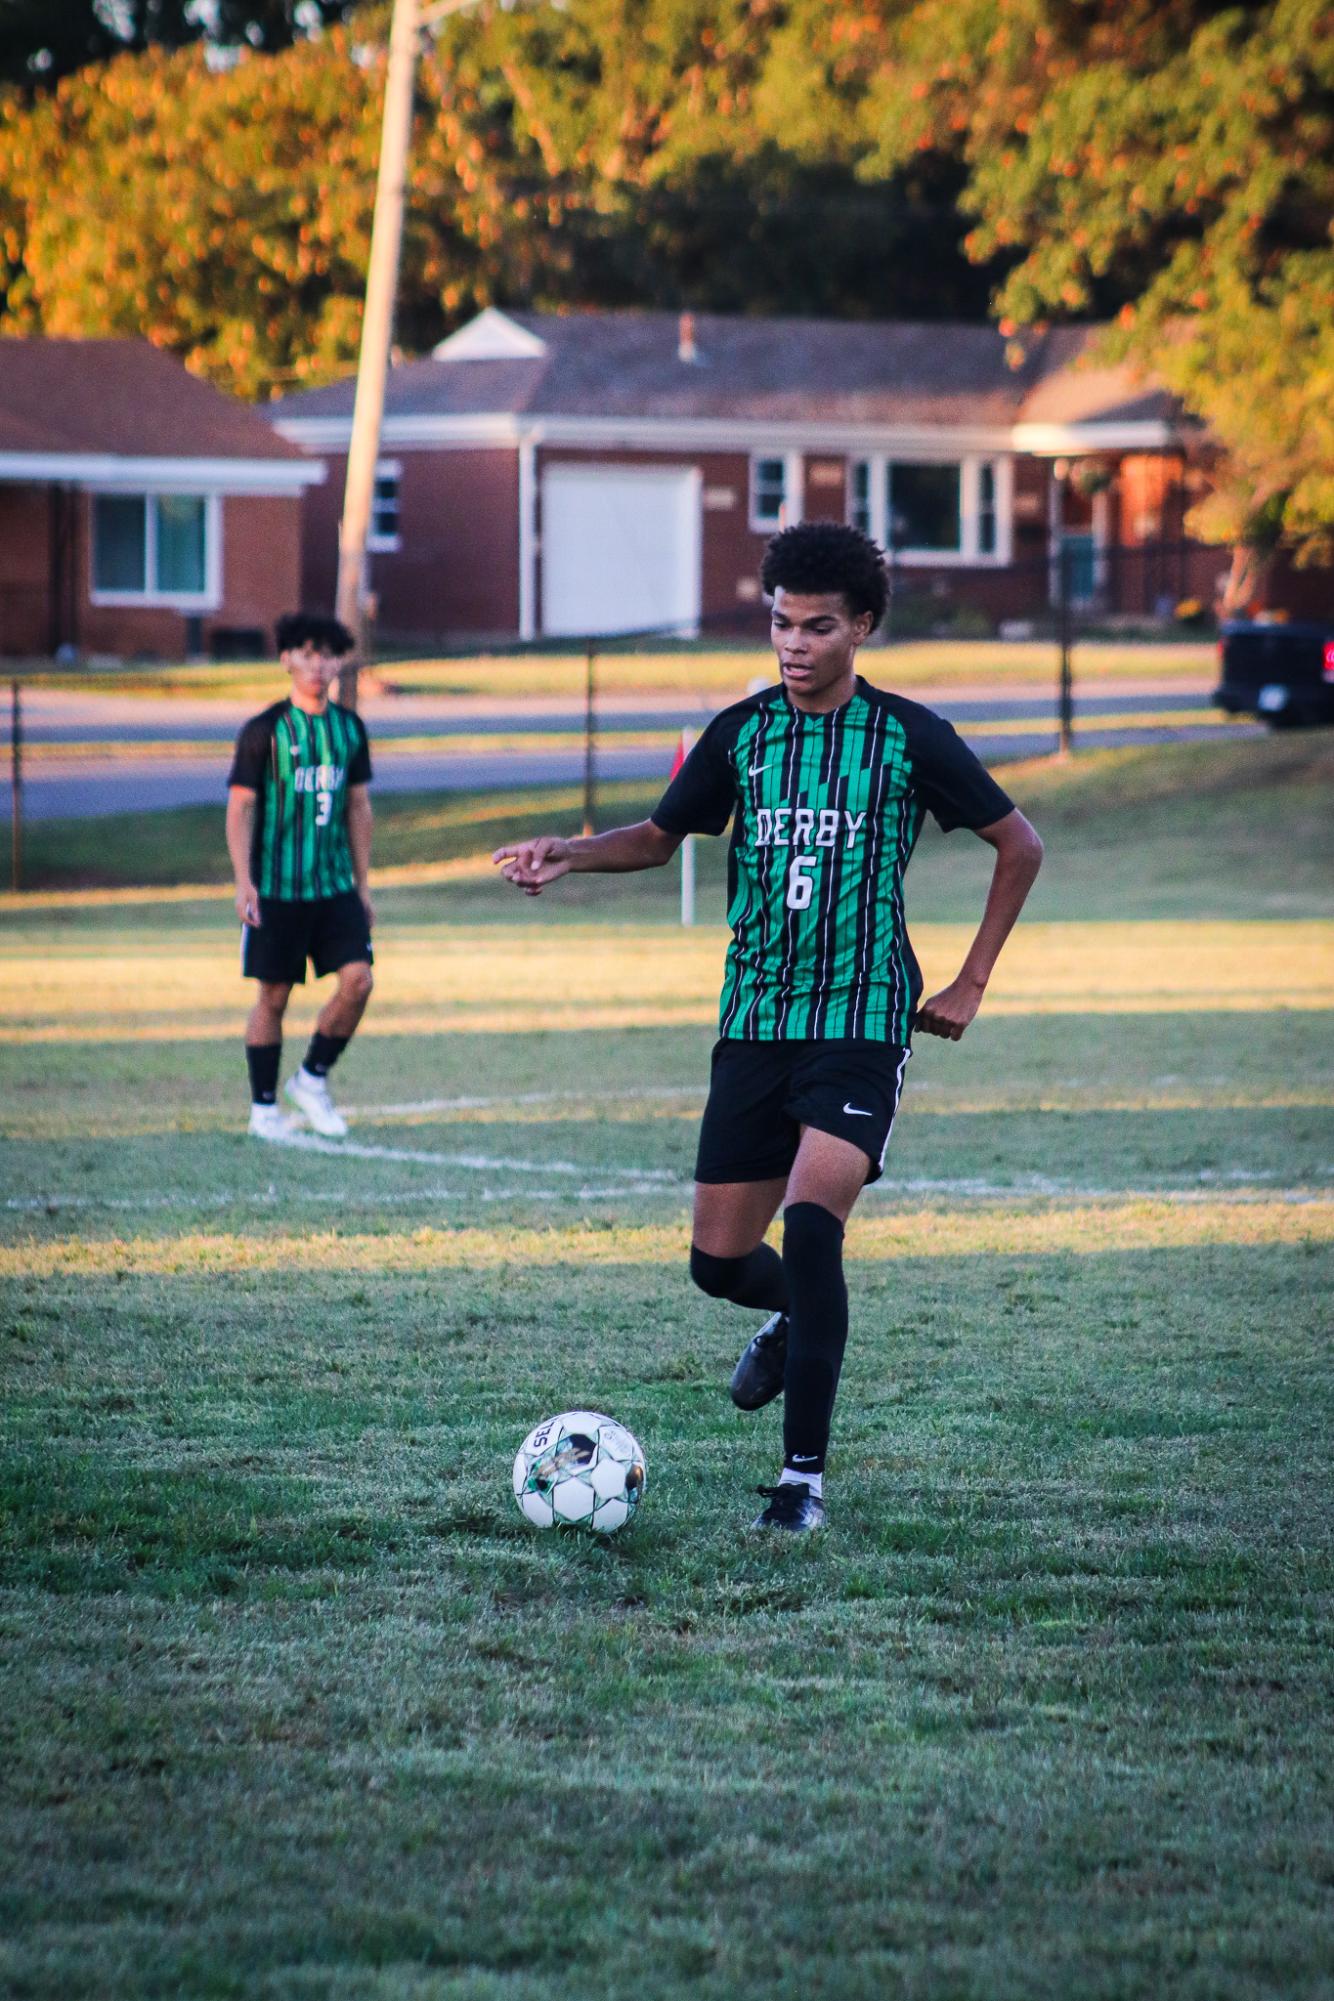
{"type": "Point", "coordinates": [579, 1469]}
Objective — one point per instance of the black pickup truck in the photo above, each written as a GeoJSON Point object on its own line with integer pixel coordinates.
{"type": "Point", "coordinates": [1282, 673]}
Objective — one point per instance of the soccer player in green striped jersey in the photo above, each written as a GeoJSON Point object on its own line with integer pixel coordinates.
{"type": "Point", "coordinates": [299, 836]}
{"type": "Point", "coordinates": [826, 781]}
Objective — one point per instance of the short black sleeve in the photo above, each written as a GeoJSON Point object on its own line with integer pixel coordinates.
{"type": "Point", "coordinates": [701, 797]}
{"type": "Point", "coordinates": [359, 771]}
{"type": "Point", "coordinates": [252, 753]}
{"type": "Point", "coordinates": [953, 784]}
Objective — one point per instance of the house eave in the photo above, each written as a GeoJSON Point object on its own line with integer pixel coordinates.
{"type": "Point", "coordinates": [1141, 434]}
{"type": "Point", "coordinates": [507, 430]}
{"type": "Point", "coordinates": [108, 472]}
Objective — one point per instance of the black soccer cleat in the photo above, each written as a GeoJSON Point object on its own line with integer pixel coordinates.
{"type": "Point", "coordinates": [792, 1505]}
{"type": "Point", "coordinates": [758, 1376]}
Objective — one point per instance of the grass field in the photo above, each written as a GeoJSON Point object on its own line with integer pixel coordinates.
{"type": "Point", "coordinates": [297, 1706]}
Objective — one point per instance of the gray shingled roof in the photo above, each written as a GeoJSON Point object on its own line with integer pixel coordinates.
{"type": "Point", "coordinates": [123, 398]}
{"type": "Point", "coordinates": [795, 370]}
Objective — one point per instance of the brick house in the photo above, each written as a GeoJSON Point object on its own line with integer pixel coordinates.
{"type": "Point", "coordinates": [142, 512]}
{"type": "Point", "coordinates": [549, 475]}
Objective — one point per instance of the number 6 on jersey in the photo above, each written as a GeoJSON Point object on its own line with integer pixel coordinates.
{"type": "Point", "coordinates": [800, 887]}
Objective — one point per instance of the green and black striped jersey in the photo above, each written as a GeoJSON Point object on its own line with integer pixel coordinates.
{"type": "Point", "coordinates": [300, 767]}
{"type": "Point", "coordinates": [827, 811]}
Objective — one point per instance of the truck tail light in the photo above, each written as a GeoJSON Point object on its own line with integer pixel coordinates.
{"type": "Point", "coordinates": [1329, 659]}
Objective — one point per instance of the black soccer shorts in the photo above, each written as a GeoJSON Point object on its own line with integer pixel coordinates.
{"type": "Point", "coordinates": [762, 1093]}
{"type": "Point", "coordinates": [330, 931]}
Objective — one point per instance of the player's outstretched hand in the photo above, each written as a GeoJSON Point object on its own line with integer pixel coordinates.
{"type": "Point", "coordinates": [531, 865]}
{"type": "Point", "coordinates": [949, 1012]}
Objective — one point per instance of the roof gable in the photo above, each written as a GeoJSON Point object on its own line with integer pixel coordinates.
{"type": "Point", "coordinates": [492, 336]}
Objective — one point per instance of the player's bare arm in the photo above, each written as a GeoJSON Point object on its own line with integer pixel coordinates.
{"type": "Point", "coordinates": [240, 833]}
{"type": "Point", "coordinates": [359, 822]}
{"type": "Point", "coordinates": [530, 865]}
{"type": "Point", "coordinates": [1018, 859]}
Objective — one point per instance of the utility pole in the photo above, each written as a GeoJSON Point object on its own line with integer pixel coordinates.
{"type": "Point", "coordinates": [376, 334]}
{"type": "Point", "coordinates": [410, 17]}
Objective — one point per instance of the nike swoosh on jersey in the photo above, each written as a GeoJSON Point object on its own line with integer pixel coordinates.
{"type": "Point", "coordinates": [756, 769]}
{"type": "Point", "coordinates": [857, 1112]}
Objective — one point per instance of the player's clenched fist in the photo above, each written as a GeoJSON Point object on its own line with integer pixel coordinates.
{"type": "Point", "coordinates": [531, 865]}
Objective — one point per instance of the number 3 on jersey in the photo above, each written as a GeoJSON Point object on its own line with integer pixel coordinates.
{"type": "Point", "coordinates": [800, 887]}
{"type": "Point", "coordinates": [324, 809]}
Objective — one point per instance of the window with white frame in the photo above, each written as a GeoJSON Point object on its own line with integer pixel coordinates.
{"type": "Point", "coordinates": [924, 506]}
{"type": "Point", "coordinates": [931, 510]}
{"type": "Point", "coordinates": [157, 547]}
{"type": "Point", "coordinates": [768, 492]}
{"type": "Point", "coordinates": [385, 525]}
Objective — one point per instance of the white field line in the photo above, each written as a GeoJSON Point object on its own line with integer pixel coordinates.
{"type": "Point", "coordinates": [51, 1205]}
{"type": "Point", "coordinates": [632, 1094]}
{"type": "Point", "coordinates": [1240, 1188]}
{"type": "Point", "coordinates": [476, 1163]}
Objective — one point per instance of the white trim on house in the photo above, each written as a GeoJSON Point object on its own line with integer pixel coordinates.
{"type": "Point", "coordinates": [794, 488]}
{"type": "Point", "coordinates": [768, 437]}
{"type": "Point", "coordinates": [492, 336]}
{"type": "Point", "coordinates": [763, 436]}
{"type": "Point", "coordinates": [103, 472]}
{"type": "Point", "coordinates": [150, 599]}
{"type": "Point", "coordinates": [1142, 434]}
{"type": "Point", "coordinates": [528, 544]}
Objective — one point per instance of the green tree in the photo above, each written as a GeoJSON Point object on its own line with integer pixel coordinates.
{"type": "Point", "coordinates": [223, 215]}
{"type": "Point", "coordinates": [646, 152]}
{"type": "Point", "coordinates": [1171, 162]}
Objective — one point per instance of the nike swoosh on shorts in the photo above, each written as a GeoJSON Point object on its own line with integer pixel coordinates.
{"type": "Point", "coordinates": [857, 1112]}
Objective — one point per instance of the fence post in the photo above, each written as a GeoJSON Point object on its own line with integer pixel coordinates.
{"type": "Point", "coordinates": [15, 788]}
{"type": "Point", "coordinates": [1066, 702]}
{"type": "Point", "coordinates": [590, 723]}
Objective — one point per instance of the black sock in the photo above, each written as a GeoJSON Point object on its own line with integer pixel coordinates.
{"type": "Point", "coordinates": [813, 1261]}
{"type": "Point", "coordinates": [262, 1060]}
{"type": "Point", "coordinates": [755, 1280]}
{"type": "Point", "coordinates": [324, 1052]}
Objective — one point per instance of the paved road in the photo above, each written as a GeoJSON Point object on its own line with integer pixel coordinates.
{"type": "Point", "coordinates": [89, 785]}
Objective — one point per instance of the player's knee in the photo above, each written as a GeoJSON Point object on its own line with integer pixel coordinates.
{"type": "Point", "coordinates": [811, 1234]}
{"type": "Point", "coordinates": [357, 981]}
{"type": "Point", "coordinates": [716, 1276]}
{"type": "Point", "coordinates": [274, 995]}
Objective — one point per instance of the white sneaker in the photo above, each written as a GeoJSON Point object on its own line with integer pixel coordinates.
{"type": "Point", "coordinates": [311, 1096]}
{"type": "Point", "coordinates": [270, 1122]}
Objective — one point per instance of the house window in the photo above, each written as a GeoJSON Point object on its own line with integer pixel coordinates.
{"type": "Point", "coordinates": [385, 533]}
{"type": "Point", "coordinates": [181, 554]}
{"type": "Point", "coordinates": [859, 495]}
{"type": "Point", "coordinates": [768, 493]}
{"type": "Point", "coordinates": [120, 543]}
{"type": "Point", "coordinates": [923, 506]}
{"type": "Point", "coordinates": [154, 546]}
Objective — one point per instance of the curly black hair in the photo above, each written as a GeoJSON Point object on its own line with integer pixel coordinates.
{"type": "Point", "coordinates": [817, 557]}
{"type": "Point", "coordinates": [296, 629]}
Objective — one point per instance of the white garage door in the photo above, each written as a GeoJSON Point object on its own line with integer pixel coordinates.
{"type": "Point", "coordinates": [620, 548]}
